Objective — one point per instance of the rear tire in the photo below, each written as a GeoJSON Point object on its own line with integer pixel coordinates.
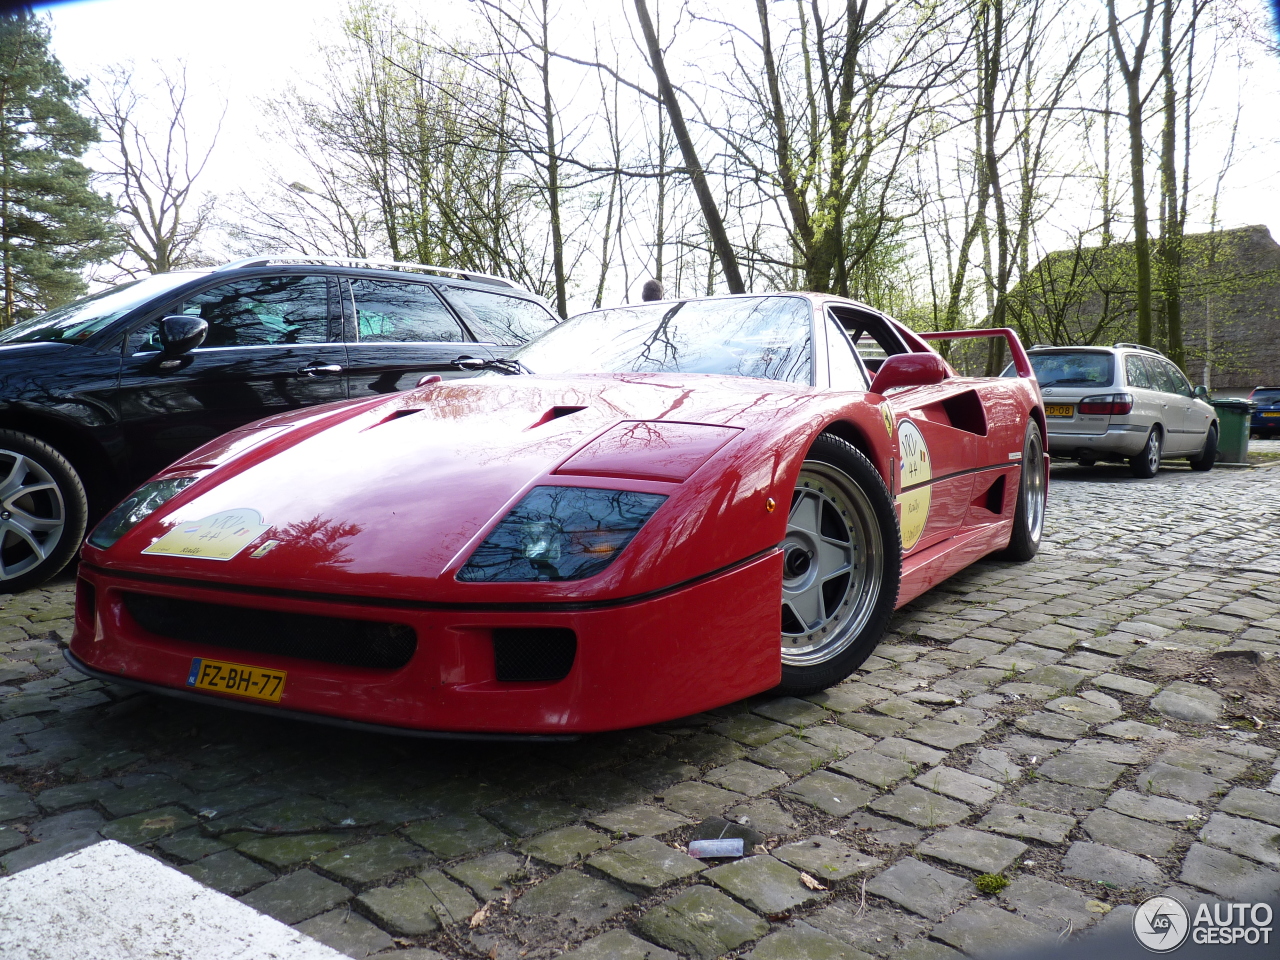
{"type": "Point", "coordinates": [43, 512]}
{"type": "Point", "coordinates": [842, 560]}
{"type": "Point", "coordinates": [1209, 453]}
{"type": "Point", "coordinates": [1033, 493]}
{"type": "Point", "coordinates": [1147, 464]}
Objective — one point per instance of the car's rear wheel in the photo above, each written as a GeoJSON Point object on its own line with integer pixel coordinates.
{"type": "Point", "coordinates": [1028, 516]}
{"type": "Point", "coordinates": [1209, 453]}
{"type": "Point", "coordinates": [43, 511]}
{"type": "Point", "coordinates": [842, 559]}
{"type": "Point", "coordinates": [1147, 464]}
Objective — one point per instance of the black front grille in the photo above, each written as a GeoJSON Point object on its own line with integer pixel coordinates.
{"type": "Point", "coordinates": [351, 643]}
{"type": "Point", "coordinates": [531, 654]}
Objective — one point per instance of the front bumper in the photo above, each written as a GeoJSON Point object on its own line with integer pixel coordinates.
{"type": "Point", "coordinates": [685, 650]}
{"type": "Point", "coordinates": [1120, 440]}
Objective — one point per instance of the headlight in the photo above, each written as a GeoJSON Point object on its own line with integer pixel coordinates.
{"type": "Point", "coordinates": [143, 502]}
{"type": "Point", "coordinates": [561, 533]}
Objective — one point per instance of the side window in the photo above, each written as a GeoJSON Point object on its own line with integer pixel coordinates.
{"type": "Point", "coordinates": [1159, 376]}
{"type": "Point", "coordinates": [395, 311]}
{"type": "Point", "coordinates": [1136, 372]}
{"type": "Point", "coordinates": [1177, 381]}
{"type": "Point", "coordinates": [509, 319]}
{"type": "Point", "coordinates": [845, 371]}
{"type": "Point", "coordinates": [255, 312]}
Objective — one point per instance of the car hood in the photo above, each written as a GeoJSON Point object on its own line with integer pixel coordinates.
{"type": "Point", "coordinates": [390, 498]}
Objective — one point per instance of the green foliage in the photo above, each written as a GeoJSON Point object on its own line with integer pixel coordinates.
{"type": "Point", "coordinates": [991, 883]}
{"type": "Point", "coordinates": [51, 223]}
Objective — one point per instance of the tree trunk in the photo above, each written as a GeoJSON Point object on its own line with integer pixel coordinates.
{"type": "Point", "coordinates": [710, 212]}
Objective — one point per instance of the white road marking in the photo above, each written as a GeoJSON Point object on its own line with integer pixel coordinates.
{"type": "Point", "coordinates": [109, 902]}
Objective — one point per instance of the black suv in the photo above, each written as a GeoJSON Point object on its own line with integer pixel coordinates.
{"type": "Point", "coordinates": [100, 394]}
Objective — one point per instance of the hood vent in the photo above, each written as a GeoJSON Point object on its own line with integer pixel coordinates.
{"type": "Point", "coordinates": [555, 413]}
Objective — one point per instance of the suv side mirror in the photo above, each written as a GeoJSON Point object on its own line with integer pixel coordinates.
{"type": "Point", "coordinates": [179, 335]}
{"type": "Point", "coordinates": [1202, 392]}
{"type": "Point", "coordinates": [910, 370]}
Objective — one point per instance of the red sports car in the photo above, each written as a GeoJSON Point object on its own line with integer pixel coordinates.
{"type": "Point", "coordinates": [646, 512]}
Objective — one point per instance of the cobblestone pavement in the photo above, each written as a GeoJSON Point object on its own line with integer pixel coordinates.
{"type": "Point", "coordinates": [1015, 723]}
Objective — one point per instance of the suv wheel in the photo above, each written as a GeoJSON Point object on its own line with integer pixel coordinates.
{"type": "Point", "coordinates": [1209, 454]}
{"type": "Point", "coordinates": [1147, 464]}
{"type": "Point", "coordinates": [43, 511]}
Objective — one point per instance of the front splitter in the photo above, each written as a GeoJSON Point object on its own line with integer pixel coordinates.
{"type": "Point", "coordinates": [285, 714]}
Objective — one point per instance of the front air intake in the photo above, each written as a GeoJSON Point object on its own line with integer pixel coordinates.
{"type": "Point", "coordinates": [349, 643]}
{"type": "Point", "coordinates": [533, 654]}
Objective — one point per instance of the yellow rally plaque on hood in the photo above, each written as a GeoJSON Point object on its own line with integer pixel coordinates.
{"type": "Point", "coordinates": [217, 537]}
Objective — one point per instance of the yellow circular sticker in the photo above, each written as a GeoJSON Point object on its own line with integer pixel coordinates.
{"type": "Point", "coordinates": [887, 415]}
{"type": "Point", "coordinates": [917, 471]}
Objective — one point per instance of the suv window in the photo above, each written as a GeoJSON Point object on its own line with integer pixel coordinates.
{"type": "Point", "coordinates": [1158, 373]}
{"type": "Point", "coordinates": [255, 312]}
{"type": "Point", "coordinates": [1136, 372]}
{"type": "Point", "coordinates": [396, 311]}
{"type": "Point", "coordinates": [1177, 381]}
{"type": "Point", "coordinates": [1073, 368]}
{"type": "Point", "coordinates": [509, 319]}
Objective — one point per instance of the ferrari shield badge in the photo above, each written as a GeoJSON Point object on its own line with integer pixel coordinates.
{"type": "Point", "coordinates": [217, 537]}
{"type": "Point", "coordinates": [887, 416]}
{"type": "Point", "coordinates": [917, 471]}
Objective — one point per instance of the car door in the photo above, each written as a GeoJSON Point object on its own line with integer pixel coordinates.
{"type": "Point", "coordinates": [398, 332]}
{"type": "Point", "coordinates": [1149, 402]}
{"type": "Point", "coordinates": [1165, 377]}
{"type": "Point", "coordinates": [506, 320]}
{"type": "Point", "coordinates": [273, 344]}
{"type": "Point", "coordinates": [1194, 418]}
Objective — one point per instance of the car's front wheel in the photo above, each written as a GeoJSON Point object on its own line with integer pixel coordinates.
{"type": "Point", "coordinates": [1209, 453]}
{"type": "Point", "coordinates": [1147, 464]}
{"type": "Point", "coordinates": [842, 559]}
{"type": "Point", "coordinates": [43, 511]}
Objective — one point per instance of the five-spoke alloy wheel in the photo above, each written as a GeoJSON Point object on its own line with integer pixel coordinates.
{"type": "Point", "coordinates": [42, 511]}
{"type": "Point", "coordinates": [841, 560]}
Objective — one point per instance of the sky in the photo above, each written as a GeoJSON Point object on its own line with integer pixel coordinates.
{"type": "Point", "coordinates": [238, 51]}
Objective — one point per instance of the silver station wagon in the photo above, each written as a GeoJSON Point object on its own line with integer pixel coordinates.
{"type": "Point", "coordinates": [1125, 402]}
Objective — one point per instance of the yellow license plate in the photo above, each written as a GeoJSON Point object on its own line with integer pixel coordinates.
{"type": "Point", "coordinates": [1059, 410]}
{"type": "Point", "coordinates": [236, 678]}
{"type": "Point", "coordinates": [1271, 414]}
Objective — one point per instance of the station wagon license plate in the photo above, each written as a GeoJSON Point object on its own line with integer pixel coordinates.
{"type": "Point", "coordinates": [239, 679]}
{"type": "Point", "coordinates": [1059, 410]}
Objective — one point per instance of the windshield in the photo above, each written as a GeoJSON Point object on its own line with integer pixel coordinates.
{"type": "Point", "coordinates": [762, 337]}
{"type": "Point", "coordinates": [80, 320]}
{"type": "Point", "coordinates": [1266, 396]}
{"type": "Point", "coordinates": [1069, 368]}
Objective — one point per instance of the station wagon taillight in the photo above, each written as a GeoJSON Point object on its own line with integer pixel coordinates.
{"type": "Point", "coordinates": [1112, 405]}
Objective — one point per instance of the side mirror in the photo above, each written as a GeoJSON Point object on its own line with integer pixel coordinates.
{"type": "Point", "coordinates": [179, 335]}
{"type": "Point", "coordinates": [1202, 392]}
{"type": "Point", "coordinates": [910, 370]}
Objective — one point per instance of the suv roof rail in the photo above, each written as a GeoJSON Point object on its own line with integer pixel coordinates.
{"type": "Point", "coordinates": [379, 264]}
{"type": "Point", "coordinates": [1141, 346]}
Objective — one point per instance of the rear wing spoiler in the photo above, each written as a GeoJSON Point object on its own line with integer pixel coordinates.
{"type": "Point", "coordinates": [1021, 362]}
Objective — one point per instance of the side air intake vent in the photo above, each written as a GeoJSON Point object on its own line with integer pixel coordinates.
{"type": "Point", "coordinates": [533, 654]}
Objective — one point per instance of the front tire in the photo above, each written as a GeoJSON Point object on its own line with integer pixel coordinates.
{"type": "Point", "coordinates": [1147, 464]}
{"type": "Point", "coordinates": [1033, 493]}
{"type": "Point", "coordinates": [43, 512]}
{"type": "Point", "coordinates": [1209, 454]}
{"type": "Point", "coordinates": [842, 560]}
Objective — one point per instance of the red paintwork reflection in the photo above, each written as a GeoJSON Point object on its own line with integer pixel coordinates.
{"type": "Point", "coordinates": [652, 450]}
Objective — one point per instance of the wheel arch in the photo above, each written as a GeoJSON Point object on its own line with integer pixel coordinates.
{"type": "Point", "coordinates": [853, 435]}
{"type": "Point", "coordinates": [83, 452]}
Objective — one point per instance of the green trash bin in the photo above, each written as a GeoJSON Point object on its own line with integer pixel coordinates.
{"type": "Point", "coordinates": [1233, 430]}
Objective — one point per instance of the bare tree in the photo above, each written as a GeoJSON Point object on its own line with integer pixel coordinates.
{"type": "Point", "coordinates": [153, 172]}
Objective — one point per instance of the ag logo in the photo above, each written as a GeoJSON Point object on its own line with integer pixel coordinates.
{"type": "Point", "coordinates": [1161, 924]}
{"type": "Point", "coordinates": [917, 471]}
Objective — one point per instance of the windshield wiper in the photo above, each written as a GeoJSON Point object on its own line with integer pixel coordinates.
{"type": "Point", "coordinates": [502, 364]}
{"type": "Point", "coordinates": [1070, 380]}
